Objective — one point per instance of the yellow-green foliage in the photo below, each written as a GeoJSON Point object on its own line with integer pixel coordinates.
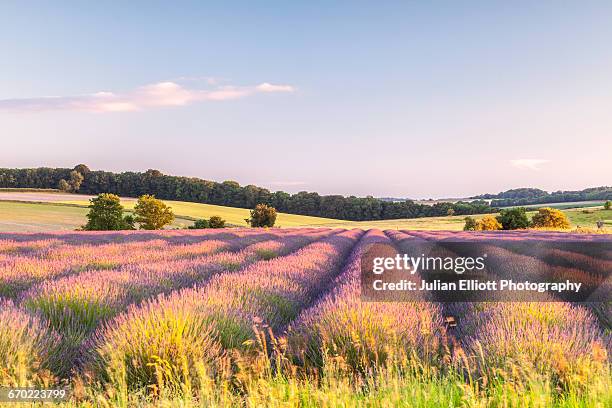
{"type": "Point", "coordinates": [488, 223]}
{"type": "Point", "coordinates": [550, 218]}
{"type": "Point", "coordinates": [152, 214]}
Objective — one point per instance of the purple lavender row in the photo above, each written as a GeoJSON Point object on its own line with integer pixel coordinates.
{"type": "Point", "coordinates": [364, 334]}
{"type": "Point", "coordinates": [197, 326]}
{"type": "Point", "coordinates": [76, 305]}
{"type": "Point", "coordinates": [24, 264]}
{"type": "Point", "coordinates": [551, 339]}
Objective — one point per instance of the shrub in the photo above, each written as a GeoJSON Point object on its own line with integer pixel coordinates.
{"type": "Point", "coordinates": [607, 205]}
{"type": "Point", "coordinates": [513, 218]}
{"type": "Point", "coordinates": [128, 222]}
{"type": "Point", "coordinates": [470, 224]}
{"type": "Point", "coordinates": [488, 223]}
{"type": "Point", "coordinates": [106, 214]}
{"type": "Point", "coordinates": [200, 224]}
{"type": "Point", "coordinates": [550, 218]}
{"type": "Point", "coordinates": [262, 216]}
{"type": "Point", "coordinates": [216, 222]}
{"type": "Point", "coordinates": [152, 214]}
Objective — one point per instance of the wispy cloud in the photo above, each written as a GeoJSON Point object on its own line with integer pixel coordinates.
{"type": "Point", "coordinates": [160, 94]}
{"type": "Point", "coordinates": [528, 164]}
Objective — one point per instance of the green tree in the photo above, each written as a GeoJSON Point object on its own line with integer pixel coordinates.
{"type": "Point", "coordinates": [200, 224]}
{"type": "Point", "coordinates": [76, 179]}
{"type": "Point", "coordinates": [151, 213]}
{"type": "Point", "coordinates": [262, 216]}
{"type": "Point", "coordinates": [216, 222]}
{"type": "Point", "coordinates": [513, 218]}
{"type": "Point", "coordinates": [470, 224]}
{"type": "Point", "coordinates": [81, 168]}
{"type": "Point", "coordinates": [550, 218]}
{"type": "Point", "coordinates": [63, 185]}
{"type": "Point", "coordinates": [607, 205]}
{"type": "Point", "coordinates": [106, 214]}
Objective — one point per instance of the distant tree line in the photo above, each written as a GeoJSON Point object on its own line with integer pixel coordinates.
{"type": "Point", "coordinates": [526, 196]}
{"type": "Point", "coordinates": [228, 193]}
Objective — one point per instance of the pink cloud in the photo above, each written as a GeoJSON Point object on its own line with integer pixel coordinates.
{"type": "Point", "coordinates": [160, 94]}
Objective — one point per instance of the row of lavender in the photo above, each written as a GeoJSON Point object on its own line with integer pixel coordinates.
{"type": "Point", "coordinates": [58, 314]}
{"type": "Point", "coordinates": [560, 341]}
{"type": "Point", "coordinates": [316, 301]}
{"type": "Point", "coordinates": [25, 263]}
{"type": "Point", "coordinates": [367, 335]}
{"type": "Point", "coordinates": [201, 325]}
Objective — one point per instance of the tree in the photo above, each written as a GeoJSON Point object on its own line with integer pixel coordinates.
{"type": "Point", "coordinates": [550, 218]}
{"type": "Point", "coordinates": [151, 213]}
{"type": "Point", "coordinates": [450, 212]}
{"type": "Point", "coordinates": [200, 224]}
{"type": "Point", "coordinates": [216, 222]}
{"type": "Point", "coordinates": [81, 168]}
{"type": "Point", "coordinates": [607, 205]}
{"type": "Point", "coordinates": [106, 214]}
{"type": "Point", "coordinates": [63, 185]}
{"type": "Point", "coordinates": [470, 224]}
{"type": "Point", "coordinates": [262, 216]}
{"type": "Point", "coordinates": [513, 218]}
{"type": "Point", "coordinates": [75, 181]}
{"type": "Point", "coordinates": [488, 223]}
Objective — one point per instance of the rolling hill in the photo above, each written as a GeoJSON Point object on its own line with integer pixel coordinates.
{"type": "Point", "coordinates": [48, 210]}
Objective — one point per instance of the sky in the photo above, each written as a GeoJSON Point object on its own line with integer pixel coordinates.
{"type": "Point", "coordinates": [403, 99]}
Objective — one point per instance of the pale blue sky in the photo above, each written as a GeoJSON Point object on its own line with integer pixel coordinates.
{"type": "Point", "coordinates": [410, 99]}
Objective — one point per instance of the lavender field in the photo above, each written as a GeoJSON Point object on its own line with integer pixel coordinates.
{"type": "Point", "coordinates": [274, 317]}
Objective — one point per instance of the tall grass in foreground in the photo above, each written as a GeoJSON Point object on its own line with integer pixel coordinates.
{"type": "Point", "coordinates": [266, 377]}
{"type": "Point", "coordinates": [26, 344]}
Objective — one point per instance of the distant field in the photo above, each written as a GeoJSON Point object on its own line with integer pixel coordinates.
{"type": "Point", "coordinates": [455, 223]}
{"type": "Point", "coordinates": [33, 217]}
{"type": "Point", "coordinates": [564, 205]}
{"type": "Point", "coordinates": [61, 211]}
{"type": "Point", "coordinates": [69, 210]}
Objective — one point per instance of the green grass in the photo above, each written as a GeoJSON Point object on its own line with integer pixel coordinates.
{"type": "Point", "coordinates": [36, 217]}
{"type": "Point", "coordinates": [588, 217]}
{"type": "Point", "coordinates": [57, 214]}
{"type": "Point", "coordinates": [577, 217]}
{"type": "Point", "coordinates": [17, 216]}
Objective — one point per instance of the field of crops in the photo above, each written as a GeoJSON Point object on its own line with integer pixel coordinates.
{"type": "Point", "coordinates": [274, 318]}
{"type": "Point", "coordinates": [25, 211]}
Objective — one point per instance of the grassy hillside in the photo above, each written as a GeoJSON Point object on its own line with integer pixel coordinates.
{"type": "Point", "coordinates": [35, 217]}
{"type": "Point", "coordinates": [37, 210]}
{"type": "Point", "coordinates": [61, 211]}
